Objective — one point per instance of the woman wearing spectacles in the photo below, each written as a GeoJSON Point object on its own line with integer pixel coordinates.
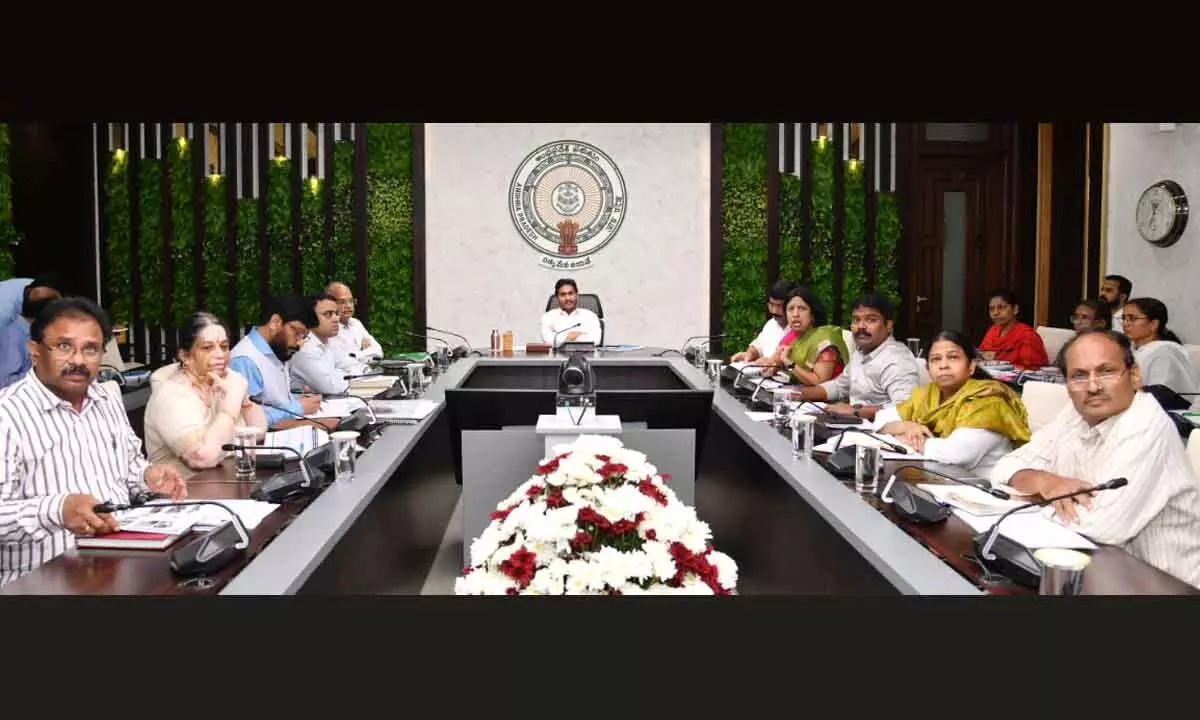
{"type": "Point", "coordinates": [1159, 352]}
{"type": "Point", "coordinates": [961, 418]}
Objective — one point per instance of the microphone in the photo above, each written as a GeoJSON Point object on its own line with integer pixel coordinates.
{"type": "Point", "coordinates": [308, 481]}
{"type": "Point", "coordinates": [436, 354]}
{"type": "Point", "coordinates": [342, 424]}
{"type": "Point", "coordinates": [554, 340]}
{"type": "Point", "coordinates": [206, 554]}
{"type": "Point", "coordinates": [841, 461]}
{"type": "Point", "coordinates": [460, 351]}
{"type": "Point", "coordinates": [286, 485]}
{"type": "Point", "coordinates": [919, 505]}
{"type": "Point", "coordinates": [357, 424]}
{"type": "Point", "coordinates": [1013, 560]}
{"type": "Point", "coordinates": [707, 338]}
{"type": "Point", "coordinates": [117, 375]}
{"type": "Point", "coordinates": [362, 375]}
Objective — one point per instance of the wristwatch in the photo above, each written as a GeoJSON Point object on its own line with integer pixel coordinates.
{"type": "Point", "coordinates": [857, 407]}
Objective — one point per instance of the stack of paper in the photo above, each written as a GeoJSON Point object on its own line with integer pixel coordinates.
{"type": "Point", "coordinates": [301, 438]}
{"type": "Point", "coordinates": [336, 407]}
{"type": "Point", "coordinates": [387, 410]}
{"type": "Point", "coordinates": [1032, 530]}
{"type": "Point", "coordinates": [857, 438]}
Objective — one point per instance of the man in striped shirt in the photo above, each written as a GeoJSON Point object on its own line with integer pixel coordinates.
{"type": "Point", "coordinates": [66, 443]}
{"type": "Point", "coordinates": [1112, 430]}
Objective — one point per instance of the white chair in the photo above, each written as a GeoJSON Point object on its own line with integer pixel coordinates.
{"type": "Point", "coordinates": [1043, 401]}
{"type": "Point", "coordinates": [1193, 450]}
{"type": "Point", "coordinates": [1054, 339]}
{"type": "Point", "coordinates": [1193, 352]}
{"type": "Point", "coordinates": [848, 338]}
{"type": "Point", "coordinates": [923, 371]}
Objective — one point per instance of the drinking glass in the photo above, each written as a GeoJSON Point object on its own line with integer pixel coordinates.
{"type": "Point", "coordinates": [914, 346]}
{"type": "Point", "coordinates": [701, 356]}
{"type": "Point", "coordinates": [868, 463]}
{"type": "Point", "coordinates": [781, 406]}
{"type": "Point", "coordinates": [416, 379]}
{"type": "Point", "coordinates": [245, 461]}
{"type": "Point", "coordinates": [715, 367]}
{"type": "Point", "coordinates": [1062, 570]}
{"type": "Point", "coordinates": [802, 434]}
{"type": "Point", "coordinates": [508, 342]}
{"type": "Point", "coordinates": [344, 454]}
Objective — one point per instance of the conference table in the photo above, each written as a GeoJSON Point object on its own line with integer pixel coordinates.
{"type": "Point", "coordinates": [792, 527]}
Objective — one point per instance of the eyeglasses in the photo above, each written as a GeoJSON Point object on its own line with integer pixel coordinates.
{"type": "Point", "coordinates": [1104, 377]}
{"type": "Point", "coordinates": [348, 302]}
{"type": "Point", "coordinates": [1126, 319]}
{"type": "Point", "coordinates": [65, 350]}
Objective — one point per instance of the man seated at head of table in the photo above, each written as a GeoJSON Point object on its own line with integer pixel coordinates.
{"type": "Point", "coordinates": [318, 364]}
{"type": "Point", "coordinates": [766, 342]}
{"type": "Point", "coordinates": [66, 444]}
{"type": "Point", "coordinates": [196, 403]}
{"type": "Point", "coordinates": [568, 322]}
{"type": "Point", "coordinates": [356, 347]}
{"type": "Point", "coordinates": [1110, 430]}
{"type": "Point", "coordinates": [882, 370]}
{"type": "Point", "coordinates": [811, 352]}
{"type": "Point", "coordinates": [962, 417]}
{"type": "Point", "coordinates": [1009, 339]}
{"type": "Point", "coordinates": [261, 357]}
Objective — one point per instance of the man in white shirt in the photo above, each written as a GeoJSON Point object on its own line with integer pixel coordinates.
{"type": "Point", "coordinates": [316, 363]}
{"type": "Point", "coordinates": [764, 346]}
{"type": "Point", "coordinates": [569, 315]}
{"type": "Point", "coordinates": [882, 370]}
{"type": "Point", "coordinates": [355, 346]}
{"type": "Point", "coordinates": [1116, 289]}
{"type": "Point", "coordinates": [1112, 430]}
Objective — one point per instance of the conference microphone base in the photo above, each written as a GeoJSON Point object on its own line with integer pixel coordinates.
{"type": "Point", "coordinates": [1013, 560]}
{"type": "Point", "coordinates": [208, 553]}
{"type": "Point", "coordinates": [286, 486]}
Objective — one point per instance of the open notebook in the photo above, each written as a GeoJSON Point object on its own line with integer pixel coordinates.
{"type": "Point", "coordinates": [159, 524]}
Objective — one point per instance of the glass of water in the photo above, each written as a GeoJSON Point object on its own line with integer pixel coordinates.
{"type": "Point", "coordinates": [868, 465]}
{"type": "Point", "coordinates": [715, 367]}
{"type": "Point", "coordinates": [802, 434]}
{"type": "Point", "coordinates": [344, 454]}
{"type": "Point", "coordinates": [914, 346]}
{"type": "Point", "coordinates": [781, 406]}
{"type": "Point", "coordinates": [245, 461]}
{"type": "Point", "coordinates": [416, 379]}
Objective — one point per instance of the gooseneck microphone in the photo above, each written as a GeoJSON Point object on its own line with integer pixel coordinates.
{"type": "Point", "coordinates": [554, 340]}
{"type": "Point", "coordinates": [370, 410]}
{"type": "Point", "coordinates": [461, 351]}
{"type": "Point", "coordinates": [1014, 560]}
{"type": "Point", "coordinates": [206, 554]}
{"type": "Point", "coordinates": [346, 423]}
{"type": "Point", "coordinates": [683, 348]}
{"type": "Point", "coordinates": [899, 450]}
{"type": "Point", "coordinates": [308, 481]}
{"type": "Point", "coordinates": [919, 505]}
{"type": "Point", "coordinates": [994, 492]}
{"type": "Point", "coordinates": [840, 462]}
{"type": "Point", "coordinates": [363, 375]}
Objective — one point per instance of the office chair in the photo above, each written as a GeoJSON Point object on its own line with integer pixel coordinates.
{"type": "Point", "coordinates": [588, 301]}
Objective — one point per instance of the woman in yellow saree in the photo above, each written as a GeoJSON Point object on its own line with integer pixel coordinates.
{"type": "Point", "coordinates": [958, 419]}
{"type": "Point", "coordinates": [811, 352]}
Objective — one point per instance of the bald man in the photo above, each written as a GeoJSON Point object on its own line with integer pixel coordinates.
{"type": "Point", "coordinates": [352, 340]}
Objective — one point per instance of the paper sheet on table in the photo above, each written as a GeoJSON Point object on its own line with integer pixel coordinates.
{"type": "Point", "coordinates": [972, 500]}
{"type": "Point", "coordinates": [302, 438]}
{"type": "Point", "coordinates": [250, 512]}
{"type": "Point", "coordinates": [403, 409]}
{"type": "Point", "coordinates": [336, 408]}
{"type": "Point", "coordinates": [1033, 530]}
{"type": "Point", "coordinates": [759, 416]}
{"type": "Point", "coordinates": [856, 438]}
{"type": "Point", "coordinates": [161, 516]}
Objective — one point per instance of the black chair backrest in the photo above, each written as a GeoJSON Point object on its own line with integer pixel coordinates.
{"type": "Point", "coordinates": [587, 301]}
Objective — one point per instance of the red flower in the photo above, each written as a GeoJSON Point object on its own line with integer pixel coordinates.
{"type": "Point", "coordinates": [621, 527]}
{"type": "Point", "coordinates": [651, 535]}
{"type": "Point", "coordinates": [551, 465]}
{"type": "Point", "coordinates": [520, 566]}
{"type": "Point", "coordinates": [590, 517]}
{"type": "Point", "coordinates": [647, 487]}
{"type": "Point", "coordinates": [467, 570]}
{"type": "Point", "coordinates": [554, 498]}
{"type": "Point", "coordinates": [610, 471]}
{"type": "Point", "coordinates": [534, 491]}
{"type": "Point", "coordinates": [583, 539]}
{"type": "Point", "coordinates": [511, 591]}
{"type": "Point", "coordinates": [603, 458]}
{"type": "Point", "coordinates": [501, 515]}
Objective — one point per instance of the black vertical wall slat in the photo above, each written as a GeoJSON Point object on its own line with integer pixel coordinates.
{"type": "Point", "coordinates": [839, 221]}
{"type": "Point", "coordinates": [231, 253]}
{"type": "Point", "coordinates": [418, 226]}
{"type": "Point", "coordinates": [265, 154]}
{"type": "Point", "coordinates": [327, 185]}
{"type": "Point", "coordinates": [168, 265]}
{"type": "Point", "coordinates": [1094, 219]}
{"type": "Point", "coordinates": [869, 184]}
{"type": "Point", "coordinates": [885, 158]}
{"type": "Point", "coordinates": [100, 135]}
{"type": "Point", "coordinates": [360, 222]}
{"type": "Point", "coordinates": [137, 336]}
{"type": "Point", "coordinates": [806, 194]}
{"type": "Point", "coordinates": [772, 269]}
{"type": "Point", "coordinates": [247, 154]}
{"type": "Point", "coordinates": [789, 148]}
{"type": "Point", "coordinates": [716, 232]}
{"type": "Point", "coordinates": [298, 130]}
{"type": "Point", "coordinates": [905, 133]}
{"type": "Point", "coordinates": [198, 197]}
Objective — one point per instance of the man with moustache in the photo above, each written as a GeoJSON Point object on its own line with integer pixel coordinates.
{"type": "Point", "coordinates": [66, 444]}
{"type": "Point", "coordinates": [261, 357]}
{"type": "Point", "coordinates": [14, 338]}
{"type": "Point", "coordinates": [354, 345]}
{"type": "Point", "coordinates": [763, 347]}
{"type": "Point", "coordinates": [882, 370]}
{"type": "Point", "coordinates": [1111, 430]}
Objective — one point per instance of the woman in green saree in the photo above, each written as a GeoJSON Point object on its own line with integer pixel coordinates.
{"type": "Point", "coordinates": [811, 352]}
{"type": "Point", "coordinates": [960, 418]}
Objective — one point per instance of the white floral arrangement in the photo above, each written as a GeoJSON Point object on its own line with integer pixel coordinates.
{"type": "Point", "coordinates": [596, 519]}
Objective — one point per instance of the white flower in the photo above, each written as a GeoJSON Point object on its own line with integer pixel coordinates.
{"type": "Point", "coordinates": [695, 586]}
{"type": "Point", "coordinates": [661, 563]}
{"type": "Point", "coordinates": [521, 493]}
{"type": "Point", "coordinates": [545, 582]}
{"type": "Point", "coordinates": [696, 536]}
{"type": "Point", "coordinates": [485, 545]}
{"type": "Point", "coordinates": [575, 471]}
{"type": "Point", "coordinates": [623, 503]}
{"type": "Point", "coordinates": [482, 582]}
{"type": "Point", "coordinates": [553, 525]}
{"type": "Point", "coordinates": [631, 589]}
{"type": "Point", "coordinates": [591, 445]}
{"type": "Point", "coordinates": [670, 522]}
{"type": "Point", "coordinates": [727, 572]}
{"type": "Point", "coordinates": [589, 573]}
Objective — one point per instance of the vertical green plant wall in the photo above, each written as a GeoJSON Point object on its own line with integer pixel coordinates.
{"type": "Point", "coordinates": [342, 187]}
{"type": "Point", "coordinates": [389, 234]}
{"type": "Point", "coordinates": [744, 226]}
{"type": "Point", "coordinates": [279, 227]}
{"type": "Point", "coordinates": [249, 302]}
{"type": "Point", "coordinates": [8, 232]}
{"type": "Point", "coordinates": [216, 248]}
{"type": "Point", "coordinates": [150, 243]}
{"type": "Point", "coordinates": [118, 295]}
{"type": "Point", "coordinates": [313, 261]}
{"type": "Point", "coordinates": [745, 221]}
{"type": "Point", "coordinates": [183, 231]}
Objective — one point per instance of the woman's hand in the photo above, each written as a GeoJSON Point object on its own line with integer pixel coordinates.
{"type": "Point", "coordinates": [231, 390]}
{"type": "Point", "coordinates": [910, 433]}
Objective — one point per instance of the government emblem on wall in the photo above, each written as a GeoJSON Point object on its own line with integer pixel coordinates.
{"type": "Point", "coordinates": [567, 200]}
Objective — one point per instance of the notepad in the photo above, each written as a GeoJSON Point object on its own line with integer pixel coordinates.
{"type": "Point", "coordinates": [1032, 530]}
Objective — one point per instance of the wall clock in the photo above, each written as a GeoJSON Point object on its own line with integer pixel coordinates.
{"type": "Point", "coordinates": [1162, 213]}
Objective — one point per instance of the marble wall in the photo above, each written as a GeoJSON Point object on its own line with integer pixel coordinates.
{"type": "Point", "coordinates": [652, 276]}
{"type": "Point", "coordinates": [1140, 155]}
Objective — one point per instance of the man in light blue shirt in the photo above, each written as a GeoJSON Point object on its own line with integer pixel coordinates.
{"type": "Point", "coordinates": [14, 337]}
{"type": "Point", "coordinates": [11, 297]}
{"type": "Point", "coordinates": [261, 357]}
